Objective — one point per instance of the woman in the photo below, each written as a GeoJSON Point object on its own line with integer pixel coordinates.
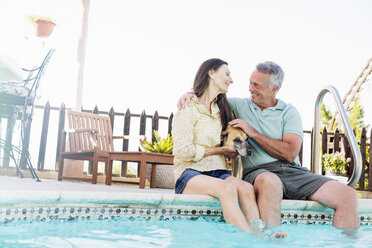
{"type": "Point", "coordinates": [199, 162]}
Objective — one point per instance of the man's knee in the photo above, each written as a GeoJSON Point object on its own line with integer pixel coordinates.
{"type": "Point", "coordinates": [268, 182]}
{"type": "Point", "coordinates": [336, 195]}
{"type": "Point", "coordinates": [349, 195]}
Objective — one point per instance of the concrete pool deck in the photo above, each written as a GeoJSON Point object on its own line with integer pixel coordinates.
{"type": "Point", "coordinates": [8, 183]}
{"type": "Point", "coordinates": [12, 183]}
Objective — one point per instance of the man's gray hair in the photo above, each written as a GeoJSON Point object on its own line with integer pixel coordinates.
{"type": "Point", "coordinates": [276, 72]}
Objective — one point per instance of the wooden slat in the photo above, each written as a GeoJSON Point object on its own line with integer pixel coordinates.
{"type": "Point", "coordinates": [324, 145]}
{"type": "Point", "coordinates": [103, 127]}
{"type": "Point", "coordinates": [347, 148]}
{"type": "Point", "coordinates": [43, 138]}
{"type": "Point", "coordinates": [95, 110]}
{"type": "Point", "coordinates": [61, 126]}
{"type": "Point", "coordinates": [126, 128]}
{"type": "Point", "coordinates": [112, 117]}
{"type": "Point", "coordinates": [155, 125]}
{"type": "Point", "coordinates": [79, 135]}
{"type": "Point", "coordinates": [142, 131]}
{"type": "Point", "coordinates": [170, 121]}
{"type": "Point", "coordinates": [83, 139]}
{"type": "Point", "coordinates": [363, 151]}
{"type": "Point", "coordinates": [336, 141]}
{"type": "Point", "coordinates": [110, 131]}
{"type": "Point", "coordinates": [88, 123]}
{"type": "Point", "coordinates": [96, 125]}
{"type": "Point", "coordinates": [93, 124]}
{"type": "Point", "coordinates": [102, 134]}
{"type": "Point", "coordinates": [71, 137]}
{"type": "Point", "coordinates": [324, 141]}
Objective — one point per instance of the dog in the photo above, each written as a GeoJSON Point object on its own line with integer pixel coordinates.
{"type": "Point", "coordinates": [236, 138]}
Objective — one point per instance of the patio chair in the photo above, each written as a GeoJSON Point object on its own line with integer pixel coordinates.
{"type": "Point", "coordinates": [90, 138]}
{"type": "Point", "coordinates": [17, 102]}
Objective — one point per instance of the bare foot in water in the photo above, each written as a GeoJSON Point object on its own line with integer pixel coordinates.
{"type": "Point", "coordinates": [262, 229]}
{"type": "Point", "coordinates": [280, 235]}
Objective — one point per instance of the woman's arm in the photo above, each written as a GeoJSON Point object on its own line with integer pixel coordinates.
{"type": "Point", "coordinates": [183, 136]}
{"type": "Point", "coordinates": [222, 150]}
{"type": "Point", "coordinates": [183, 139]}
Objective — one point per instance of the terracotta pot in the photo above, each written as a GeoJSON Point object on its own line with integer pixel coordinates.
{"type": "Point", "coordinates": [44, 28]}
{"type": "Point", "coordinates": [339, 174]}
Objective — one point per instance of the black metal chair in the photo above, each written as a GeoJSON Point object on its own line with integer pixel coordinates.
{"type": "Point", "coordinates": [20, 107]}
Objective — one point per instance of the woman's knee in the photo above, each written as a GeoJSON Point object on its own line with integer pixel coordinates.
{"type": "Point", "coordinates": [245, 190]}
{"type": "Point", "coordinates": [227, 189]}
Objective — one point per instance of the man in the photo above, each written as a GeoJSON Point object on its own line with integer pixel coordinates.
{"type": "Point", "coordinates": [274, 168]}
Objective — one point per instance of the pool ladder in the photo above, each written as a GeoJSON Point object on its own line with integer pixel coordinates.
{"type": "Point", "coordinates": [349, 134]}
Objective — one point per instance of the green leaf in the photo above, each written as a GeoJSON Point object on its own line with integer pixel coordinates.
{"type": "Point", "coordinates": [159, 145]}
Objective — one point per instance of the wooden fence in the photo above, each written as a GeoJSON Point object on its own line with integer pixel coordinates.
{"type": "Point", "coordinates": [335, 141]}
{"type": "Point", "coordinates": [128, 117]}
{"type": "Point", "coordinates": [331, 141]}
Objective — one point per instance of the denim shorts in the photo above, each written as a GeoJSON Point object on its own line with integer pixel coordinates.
{"type": "Point", "coordinates": [297, 181]}
{"type": "Point", "coordinates": [190, 173]}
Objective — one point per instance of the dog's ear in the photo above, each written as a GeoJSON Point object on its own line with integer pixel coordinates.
{"type": "Point", "coordinates": [224, 135]}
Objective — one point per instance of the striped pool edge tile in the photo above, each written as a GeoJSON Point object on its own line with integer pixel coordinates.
{"type": "Point", "coordinates": [99, 212]}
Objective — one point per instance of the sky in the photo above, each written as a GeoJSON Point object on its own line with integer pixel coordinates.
{"type": "Point", "coordinates": [143, 55]}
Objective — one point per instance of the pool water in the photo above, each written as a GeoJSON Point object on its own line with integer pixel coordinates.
{"type": "Point", "coordinates": [124, 232]}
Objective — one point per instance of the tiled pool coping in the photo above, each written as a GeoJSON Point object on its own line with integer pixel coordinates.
{"type": "Point", "coordinates": [83, 205]}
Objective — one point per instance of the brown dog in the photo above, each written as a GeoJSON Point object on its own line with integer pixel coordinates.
{"type": "Point", "coordinates": [237, 139]}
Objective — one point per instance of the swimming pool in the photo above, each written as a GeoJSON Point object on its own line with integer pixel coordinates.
{"type": "Point", "coordinates": [115, 219]}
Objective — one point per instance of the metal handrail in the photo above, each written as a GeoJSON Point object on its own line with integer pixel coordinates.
{"type": "Point", "coordinates": [349, 134]}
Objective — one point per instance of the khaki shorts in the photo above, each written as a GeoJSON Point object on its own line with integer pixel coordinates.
{"type": "Point", "coordinates": [298, 182]}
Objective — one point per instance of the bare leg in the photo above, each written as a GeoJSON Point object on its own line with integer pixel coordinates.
{"type": "Point", "coordinates": [248, 205]}
{"type": "Point", "coordinates": [227, 194]}
{"type": "Point", "coordinates": [246, 198]}
{"type": "Point", "coordinates": [343, 199]}
{"type": "Point", "coordinates": [269, 191]}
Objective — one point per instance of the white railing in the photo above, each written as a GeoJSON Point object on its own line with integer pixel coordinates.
{"type": "Point", "coordinates": [348, 131]}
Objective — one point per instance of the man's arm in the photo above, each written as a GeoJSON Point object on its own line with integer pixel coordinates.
{"type": "Point", "coordinates": [286, 149]}
{"type": "Point", "coordinates": [185, 99]}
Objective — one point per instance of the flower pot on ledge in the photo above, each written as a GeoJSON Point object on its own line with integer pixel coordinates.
{"type": "Point", "coordinates": [337, 176]}
{"type": "Point", "coordinates": [44, 28]}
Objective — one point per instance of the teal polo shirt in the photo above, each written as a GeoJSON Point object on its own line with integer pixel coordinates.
{"type": "Point", "coordinates": [272, 122]}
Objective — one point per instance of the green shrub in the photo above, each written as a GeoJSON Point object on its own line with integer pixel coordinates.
{"type": "Point", "coordinates": [335, 162]}
{"type": "Point", "coordinates": [164, 145]}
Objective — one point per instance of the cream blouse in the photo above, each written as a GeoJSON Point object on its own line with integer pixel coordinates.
{"type": "Point", "coordinates": [194, 128]}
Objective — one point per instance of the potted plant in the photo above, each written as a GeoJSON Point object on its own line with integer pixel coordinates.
{"type": "Point", "coordinates": [164, 177]}
{"type": "Point", "coordinates": [335, 164]}
{"type": "Point", "coordinates": [44, 25]}
{"type": "Point", "coordinates": [160, 145]}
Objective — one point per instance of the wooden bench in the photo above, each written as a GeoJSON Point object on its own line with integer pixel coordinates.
{"type": "Point", "coordinates": [90, 138]}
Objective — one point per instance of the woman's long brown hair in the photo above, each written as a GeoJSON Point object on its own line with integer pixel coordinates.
{"type": "Point", "coordinates": [201, 83]}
